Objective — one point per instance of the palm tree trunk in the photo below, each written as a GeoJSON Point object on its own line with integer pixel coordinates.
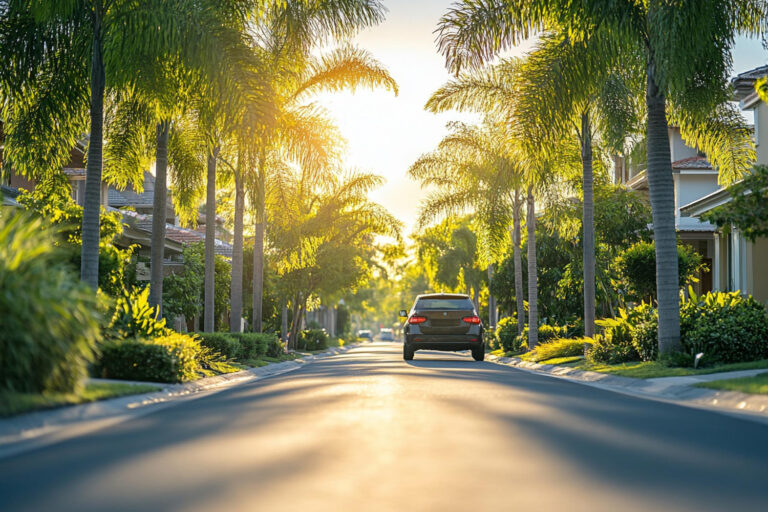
{"type": "Point", "coordinates": [284, 323]}
{"type": "Point", "coordinates": [209, 319]}
{"type": "Point", "coordinates": [491, 300]}
{"type": "Point", "coordinates": [662, 192]}
{"type": "Point", "coordinates": [533, 314]}
{"type": "Point", "coordinates": [159, 212]}
{"type": "Point", "coordinates": [258, 250]}
{"type": "Point", "coordinates": [89, 257]}
{"type": "Point", "coordinates": [476, 297]}
{"type": "Point", "coordinates": [236, 287]}
{"type": "Point", "coordinates": [518, 261]}
{"type": "Point", "coordinates": [588, 226]}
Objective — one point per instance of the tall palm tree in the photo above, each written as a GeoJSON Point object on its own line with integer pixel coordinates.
{"type": "Point", "coordinates": [295, 75]}
{"type": "Point", "coordinates": [676, 43]}
{"type": "Point", "coordinates": [73, 37]}
{"type": "Point", "coordinates": [477, 169]}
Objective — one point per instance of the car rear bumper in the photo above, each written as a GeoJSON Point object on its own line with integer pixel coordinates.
{"type": "Point", "coordinates": [448, 343]}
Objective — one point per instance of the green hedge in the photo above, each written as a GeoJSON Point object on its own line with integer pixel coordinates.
{"type": "Point", "coordinates": [313, 339]}
{"type": "Point", "coordinates": [170, 358]}
{"type": "Point", "coordinates": [253, 345]}
{"type": "Point", "coordinates": [614, 345]}
{"type": "Point", "coordinates": [223, 343]}
{"type": "Point", "coordinates": [726, 327]}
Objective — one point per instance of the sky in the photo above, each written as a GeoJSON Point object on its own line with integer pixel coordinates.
{"type": "Point", "coordinates": [386, 134]}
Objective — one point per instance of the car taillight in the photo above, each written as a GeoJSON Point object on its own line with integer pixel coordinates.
{"type": "Point", "coordinates": [416, 319]}
{"type": "Point", "coordinates": [471, 319]}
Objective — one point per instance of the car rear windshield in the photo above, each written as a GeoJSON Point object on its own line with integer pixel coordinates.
{"type": "Point", "coordinates": [444, 304]}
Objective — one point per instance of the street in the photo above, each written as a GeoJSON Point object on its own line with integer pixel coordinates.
{"type": "Point", "coordinates": [368, 431]}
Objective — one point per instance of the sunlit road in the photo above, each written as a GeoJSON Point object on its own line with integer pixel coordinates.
{"type": "Point", "coordinates": [368, 431]}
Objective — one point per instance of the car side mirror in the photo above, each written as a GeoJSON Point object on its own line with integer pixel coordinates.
{"type": "Point", "coordinates": [403, 313]}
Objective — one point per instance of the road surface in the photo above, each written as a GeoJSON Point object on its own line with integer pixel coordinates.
{"type": "Point", "coordinates": [367, 431]}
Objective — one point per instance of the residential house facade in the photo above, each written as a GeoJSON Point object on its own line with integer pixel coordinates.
{"type": "Point", "coordinates": [738, 263]}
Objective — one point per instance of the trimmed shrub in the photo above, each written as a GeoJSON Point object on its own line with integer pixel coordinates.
{"type": "Point", "coordinates": [644, 330]}
{"type": "Point", "coordinates": [560, 347]}
{"type": "Point", "coordinates": [253, 345]}
{"type": "Point", "coordinates": [726, 327]}
{"type": "Point", "coordinates": [313, 339]}
{"type": "Point", "coordinates": [223, 343]}
{"type": "Point", "coordinates": [505, 334]}
{"type": "Point", "coordinates": [49, 320]}
{"type": "Point", "coordinates": [169, 358]}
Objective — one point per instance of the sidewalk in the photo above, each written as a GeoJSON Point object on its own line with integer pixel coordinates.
{"type": "Point", "coordinates": [37, 429]}
{"type": "Point", "coordinates": [679, 390]}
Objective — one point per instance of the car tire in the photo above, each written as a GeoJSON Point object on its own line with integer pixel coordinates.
{"type": "Point", "coordinates": [478, 354]}
{"type": "Point", "coordinates": [408, 352]}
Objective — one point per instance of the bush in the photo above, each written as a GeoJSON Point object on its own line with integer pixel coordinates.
{"type": "Point", "coordinates": [253, 345]}
{"type": "Point", "coordinates": [170, 358]}
{"type": "Point", "coordinates": [614, 345]}
{"type": "Point", "coordinates": [645, 332]}
{"type": "Point", "coordinates": [49, 320]}
{"type": "Point", "coordinates": [313, 339]}
{"type": "Point", "coordinates": [637, 267]}
{"type": "Point", "coordinates": [223, 343]}
{"type": "Point", "coordinates": [505, 335]}
{"type": "Point", "coordinates": [726, 327]}
{"type": "Point", "coordinates": [546, 333]}
{"type": "Point", "coordinates": [275, 347]}
{"type": "Point", "coordinates": [135, 317]}
{"type": "Point", "coordinates": [560, 347]}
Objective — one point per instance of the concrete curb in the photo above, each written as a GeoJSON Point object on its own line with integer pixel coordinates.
{"type": "Point", "coordinates": [36, 429]}
{"type": "Point", "coordinates": [754, 406]}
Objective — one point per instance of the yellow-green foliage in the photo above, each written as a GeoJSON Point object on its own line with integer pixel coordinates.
{"type": "Point", "coordinates": [173, 357]}
{"type": "Point", "coordinates": [49, 320]}
{"type": "Point", "coordinates": [560, 347]}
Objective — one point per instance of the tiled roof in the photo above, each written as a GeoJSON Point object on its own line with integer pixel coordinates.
{"type": "Point", "coordinates": [178, 234]}
{"type": "Point", "coordinates": [74, 173]}
{"type": "Point", "coordinates": [694, 162]}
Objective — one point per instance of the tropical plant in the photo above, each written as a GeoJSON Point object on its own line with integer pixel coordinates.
{"type": "Point", "coordinates": [475, 170]}
{"type": "Point", "coordinates": [49, 321]}
{"type": "Point", "coordinates": [135, 317]}
{"type": "Point", "coordinates": [296, 129]}
{"type": "Point", "coordinates": [471, 33]}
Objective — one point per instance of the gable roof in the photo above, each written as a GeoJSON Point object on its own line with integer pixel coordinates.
{"type": "Point", "coordinates": [744, 83]}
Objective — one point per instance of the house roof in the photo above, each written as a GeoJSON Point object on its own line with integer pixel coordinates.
{"type": "Point", "coordinates": [178, 234]}
{"type": "Point", "coordinates": [706, 203]}
{"type": "Point", "coordinates": [744, 83]}
{"type": "Point", "coordinates": [694, 162]}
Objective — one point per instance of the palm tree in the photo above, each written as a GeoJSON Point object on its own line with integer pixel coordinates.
{"type": "Point", "coordinates": [69, 38]}
{"type": "Point", "coordinates": [288, 35]}
{"type": "Point", "coordinates": [471, 33]}
{"type": "Point", "coordinates": [475, 168]}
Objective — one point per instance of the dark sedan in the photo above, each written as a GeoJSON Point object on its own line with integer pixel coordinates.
{"type": "Point", "coordinates": [443, 321]}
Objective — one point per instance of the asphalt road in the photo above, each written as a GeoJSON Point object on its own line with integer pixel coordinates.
{"type": "Point", "coordinates": [368, 431]}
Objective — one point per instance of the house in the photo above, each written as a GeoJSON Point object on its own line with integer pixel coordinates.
{"type": "Point", "coordinates": [694, 178]}
{"type": "Point", "coordinates": [739, 264]}
{"type": "Point", "coordinates": [136, 208]}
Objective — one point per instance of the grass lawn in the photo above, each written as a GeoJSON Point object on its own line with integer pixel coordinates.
{"type": "Point", "coordinates": [17, 403]}
{"type": "Point", "coordinates": [757, 385]}
{"type": "Point", "coordinates": [653, 369]}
